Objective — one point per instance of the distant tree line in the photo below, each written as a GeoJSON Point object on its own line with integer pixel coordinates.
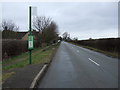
{"type": "Point", "coordinates": [66, 36]}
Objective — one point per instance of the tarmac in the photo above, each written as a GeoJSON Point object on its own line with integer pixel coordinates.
{"type": "Point", "coordinates": [77, 67]}
{"type": "Point", "coordinates": [23, 77]}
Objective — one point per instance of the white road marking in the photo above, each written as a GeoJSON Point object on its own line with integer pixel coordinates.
{"type": "Point", "coordinates": [94, 62]}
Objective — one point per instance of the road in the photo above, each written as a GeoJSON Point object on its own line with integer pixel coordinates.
{"type": "Point", "coordinates": [77, 67]}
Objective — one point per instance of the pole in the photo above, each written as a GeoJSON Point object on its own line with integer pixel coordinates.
{"type": "Point", "coordinates": [30, 51]}
{"type": "Point", "coordinates": [30, 20]}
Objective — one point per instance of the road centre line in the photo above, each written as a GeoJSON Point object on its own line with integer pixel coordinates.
{"type": "Point", "coordinates": [94, 62]}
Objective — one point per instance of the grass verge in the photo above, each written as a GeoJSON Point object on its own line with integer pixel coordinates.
{"type": "Point", "coordinates": [39, 56]}
{"type": "Point", "coordinates": [111, 54]}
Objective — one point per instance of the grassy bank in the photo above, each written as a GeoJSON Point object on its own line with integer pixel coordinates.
{"type": "Point", "coordinates": [39, 56]}
{"type": "Point", "coordinates": [111, 54]}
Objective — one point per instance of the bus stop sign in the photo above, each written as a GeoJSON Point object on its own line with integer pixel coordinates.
{"type": "Point", "coordinates": [30, 42]}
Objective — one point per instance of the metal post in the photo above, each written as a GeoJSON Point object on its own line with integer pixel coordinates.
{"type": "Point", "coordinates": [30, 58]}
{"type": "Point", "coordinates": [30, 51]}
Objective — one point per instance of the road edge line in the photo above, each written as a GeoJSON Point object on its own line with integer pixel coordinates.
{"type": "Point", "coordinates": [35, 81]}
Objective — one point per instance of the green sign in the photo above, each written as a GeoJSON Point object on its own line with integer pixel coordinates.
{"type": "Point", "coordinates": [30, 42]}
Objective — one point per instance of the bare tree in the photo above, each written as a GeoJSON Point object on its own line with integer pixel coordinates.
{"type": "Point", "coordinates": [66, 36]}
{"type": "Point", "coordinates": [40, 23]}
{"type": "Point", "coordinates": [46, 27]}
{"type": "Point", "coordinates": [48, 30]}
{"type": "Point", "coordinates": [9, 29]}
{"type": "Point", "coordinates": [75, 38]}
{"type": "Point", "coordinates": [9, 25]}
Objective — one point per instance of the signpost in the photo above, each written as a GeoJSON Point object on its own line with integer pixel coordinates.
{"type": "Point", "coordinates": [30, 42]}
{"type": "Point", "coordinates": [30, 38]}
{"type": "Point", "coordinates": [32, 13]}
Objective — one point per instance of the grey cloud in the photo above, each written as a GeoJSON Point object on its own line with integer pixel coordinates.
{"type": "Point", "coordinates": [81, 20]}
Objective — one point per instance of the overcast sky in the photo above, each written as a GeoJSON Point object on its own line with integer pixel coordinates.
{"type": "Point", "coordinates": [81, 19]}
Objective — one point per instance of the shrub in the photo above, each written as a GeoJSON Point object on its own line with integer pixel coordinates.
{"type": "Point", "coordinates": [12, 47]}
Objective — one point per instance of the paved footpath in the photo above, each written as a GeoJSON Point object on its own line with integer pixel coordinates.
{"type": "Point", "coordinates": [23, 76]}
{"type": "Point", "coordinates": [77, 67]}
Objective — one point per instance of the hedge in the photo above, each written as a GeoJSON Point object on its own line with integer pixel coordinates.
{"type": "Point", "coordinates": [107, 44]}
{"type": "Point", "coordinates": [11, 47]}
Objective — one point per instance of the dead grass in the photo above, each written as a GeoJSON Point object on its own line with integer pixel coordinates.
{"type": "Point", "coordinates": [5, 76]}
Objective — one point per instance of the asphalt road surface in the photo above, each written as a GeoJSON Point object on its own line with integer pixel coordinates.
{"type": "Point", "coordinates": [77, 67]}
